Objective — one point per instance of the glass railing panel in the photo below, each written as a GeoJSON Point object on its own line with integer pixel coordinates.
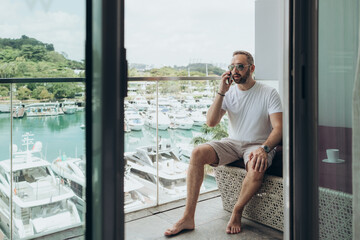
{"type": "Point", "coordinates": [140, 188]}
{"type": "Point", "coordinates": [48, 160]}
{"type": "Point", "coordinates": [166, 117]}
{"type": "Point", "coordinates": [182, 103]}
{"type": "Point", "coordinates": [5, 152]}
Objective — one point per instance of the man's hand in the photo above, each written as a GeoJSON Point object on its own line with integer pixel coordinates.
{"type": "Point", "coordinates": [225, 78]}
{"type": "Point", "coordinates": [259, 158]}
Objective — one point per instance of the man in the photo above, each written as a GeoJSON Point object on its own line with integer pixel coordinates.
{"type": "Point", "coordinates": [255, 128]}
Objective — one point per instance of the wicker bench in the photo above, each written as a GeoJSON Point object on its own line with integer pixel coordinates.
{"type": "Point", "coordinates": [267, 205]}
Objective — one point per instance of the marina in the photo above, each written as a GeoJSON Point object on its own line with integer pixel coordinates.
{"type": "Point", "coordinates": [160, 130]}
{"type": "Point", "coordinates": [62, 138]}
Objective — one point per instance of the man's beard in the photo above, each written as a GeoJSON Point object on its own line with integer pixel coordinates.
{"type": "Point", "coordinates": [244, 78]}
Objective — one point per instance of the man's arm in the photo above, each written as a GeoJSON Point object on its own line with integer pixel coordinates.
{"type": "Point", "coordinates": [215, 112]}
{"type": "Point", "coordinates": [276, 134]}
{"type": "Point", "coordinates": [259, 155]}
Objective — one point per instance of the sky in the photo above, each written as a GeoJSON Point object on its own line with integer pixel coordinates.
{"type": "Point", "coordinates": [157, 32]}
{"type": "Point", "coordinates": [60, 22]}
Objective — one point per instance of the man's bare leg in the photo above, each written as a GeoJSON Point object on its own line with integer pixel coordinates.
{"type": "Point", "coordinates": [251, 184]}
{"type": "Point", "coordinates": [200, 156]}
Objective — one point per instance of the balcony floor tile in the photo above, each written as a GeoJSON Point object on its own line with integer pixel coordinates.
{"type": "Point", "coordinates": [210, 220]}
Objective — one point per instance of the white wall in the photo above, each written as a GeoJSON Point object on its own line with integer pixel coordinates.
{"type": "Point", "coordinates": [269, 41]}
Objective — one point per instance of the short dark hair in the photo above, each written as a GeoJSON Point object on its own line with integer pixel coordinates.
{"type": "Point", "coordinates": [250, 58]}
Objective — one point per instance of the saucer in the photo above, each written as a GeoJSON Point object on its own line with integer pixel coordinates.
{"type": "Point", "coordinates": [331, 161]}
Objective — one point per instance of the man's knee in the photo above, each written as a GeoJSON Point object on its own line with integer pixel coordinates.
{"type": "Point", "coordinates": [252, 174]}
{"type": "Point", "coordinates": [203, 154]}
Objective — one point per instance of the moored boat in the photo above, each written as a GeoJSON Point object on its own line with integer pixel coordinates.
{"type": "Point", "coordinates": [69, 107]}
{"type": "Point", "coordinates": [41, 204]}
{"type": "Point", "coordinates": [134, 120]}
{"type": "Point", "coordinates": [71, 171]}
{"type": "Point", "coordinates": [43, 109]}
{"type": "Point", "coordinates": [160, 121]}
{"type": "Point", "coordinates": [172, 171]}
{"type": "Point", "coordinates": [180, 120]}
{"type": "Point", "coordinates": [18, 111]}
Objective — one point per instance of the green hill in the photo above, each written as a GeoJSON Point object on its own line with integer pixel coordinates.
{"type": "Point", "coordinates": [29, 57]}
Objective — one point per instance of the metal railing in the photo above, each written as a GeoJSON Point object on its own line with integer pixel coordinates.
{"type": "Point", "coordinates": [158, 80]}
{"type": "Point", "coordinates": [130, 79]}
{"type": "Point", "coordinates": [39, 80]}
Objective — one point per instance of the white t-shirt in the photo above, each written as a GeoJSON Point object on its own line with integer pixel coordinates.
{"type": "Point", "coordinates": [249, 111]}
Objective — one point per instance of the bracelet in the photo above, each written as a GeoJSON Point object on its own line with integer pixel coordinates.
{"type": "Point", "coordinates": [223, 95]}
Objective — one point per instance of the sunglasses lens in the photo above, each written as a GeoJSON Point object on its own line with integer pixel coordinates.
{"type": "Point", "coordinates": [231, 67]}
{"type": "Point", "coordinates": [240, 67]}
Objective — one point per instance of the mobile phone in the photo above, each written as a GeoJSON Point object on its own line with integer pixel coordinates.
{"type": "Point", "coordinates": [229, 80]}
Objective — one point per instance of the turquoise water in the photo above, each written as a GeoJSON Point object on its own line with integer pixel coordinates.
{"type": "Point", "coordinates": [58, 134]}
{"type": "Point", "coordinates": [63, 135]}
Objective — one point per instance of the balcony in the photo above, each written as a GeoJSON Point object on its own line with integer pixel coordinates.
{"type": "Point", "coordinates": [148, 192]}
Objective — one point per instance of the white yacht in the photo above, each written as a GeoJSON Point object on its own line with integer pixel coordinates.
{"type": "Point", "coordinates": [185, 150]}
{"type": "Point", "coordinates": [133, 198]}
{"type": "Point", "coordinates": [134, 120]}
{"type": "Point", "coordinates": [174, 103]}
{"type": "Point", "coordinates": [41, 204]}
{"type": "Point", "coordinates": [163, 121]}
{"type": "Point", "coordinates": [164, 104]}
{"type": "Point", "coordinates": [172, 171]}
{"type": "Point", "coordinates": [180, 120]}
{"type": "Point", "coordinates": [198, 117]}
{"type": "Point", "coordinates": [140, 103]}
{"type": "Point", "coordinates": [43, 109]}
{"type": "Point", "coordinates": [69, 107]}
{"type": "Point", "coordinates": [71, 172]}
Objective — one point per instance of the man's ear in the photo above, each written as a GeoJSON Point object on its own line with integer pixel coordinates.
{"type": "Point", "coordinates": [252, 68]}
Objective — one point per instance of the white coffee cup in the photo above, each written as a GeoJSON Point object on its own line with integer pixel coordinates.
{"type": "Point", "coordinates": [332, 154]}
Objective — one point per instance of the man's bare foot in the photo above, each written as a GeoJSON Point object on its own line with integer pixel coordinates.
{"type": "Point", "coordinates": [234, 224]}
{"type": "Point", "coordinates": [182, 224]}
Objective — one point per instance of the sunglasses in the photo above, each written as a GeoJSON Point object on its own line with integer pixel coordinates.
{"type": "Point", "coordinates": [239, 67]}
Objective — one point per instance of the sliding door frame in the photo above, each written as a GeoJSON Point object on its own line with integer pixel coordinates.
{"type": "Point", "coordinates": [106, 78]}
{"type": "Point", "coordinates": [302, 169]}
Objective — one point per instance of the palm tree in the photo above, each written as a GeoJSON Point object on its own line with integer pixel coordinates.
{"type": "Point", "coordinates": [210, 133]}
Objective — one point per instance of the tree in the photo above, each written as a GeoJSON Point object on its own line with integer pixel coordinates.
{"type": "Point", "coordinates": [36, 92]}
{"type": "Point", "coordinates": [8, 70]}
{"type": "Point", "coordinates": [8, 54]}
{"type": "Point", "coordinates": [210, 133]}
{"type": "Point", "coordinates": [49, 47]}
{"type": "Point", "coordinates": [60, 93]}
{"type": "Point", "coordinates": [32, 86]}
{"type": "Point", "coordinates": [4, 91]}
{"type": "Point", "coordinates": [39, 53]}
{"type": "Point", "coordinates": [23, 93]}
{"type": "Point", "coordinates": [132, 72]}
{"type": "Point", "coordinates": [63, 90]}
{"type": "Point", "coordinates": [172, 87]}
{"type": "Point", "coordinates": [44, 95]}
{"type": "Point", "coordinates": [33, 53]}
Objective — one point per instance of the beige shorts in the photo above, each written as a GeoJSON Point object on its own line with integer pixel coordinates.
{"type": "Point", "coordinates": [229, 150]}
